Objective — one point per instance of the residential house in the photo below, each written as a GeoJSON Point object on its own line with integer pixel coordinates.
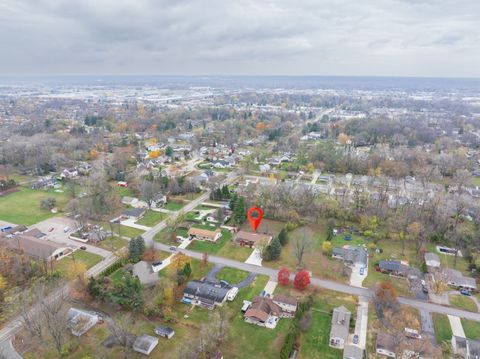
{"type": "Point", "coordinates": [353, 351]}
{"type": "Point", "coordinates": [145, 273]}
{"type": "Point", "coordinates": [466, 348]}
{"type": "Point", "coordinates": [432, 261]}
{"type": "Point", "coordinates": [206, 293]}
{"type": "Point", "coordinates": [48, 182]}
{"type": "Point", "coordinates": [352, 256]}
{"type": "Point", "coordinates": [34, 232]}
{"type": "Point", "coordinates": [249, 239]}
{"type": "Point", "coordinates": [204, 234]}
{"type": "Point", "coordinates": [287, 304]}
{"type": "Point", "coordinates": [80, 321]}
{"type": "Point", "coordinates": [457, 280]}
{"type": "Point", "coordinates": [134, 213]}
{"type": "Point", "coordinates": [394, 267]}
{"type": "Point", "coordinates": [145, 344]}
{"type": "Point", "coordinates": [340, 327]}
{"type": "Point", "coordinates": [385, 345]}
{"type": "Point", "coordinates": [159, 200]}
{"type": "Point", "coordinates": [263, 312]}
{"type": "Point", "coordinates": [40, 249]}
{"type": "Point", "coordinates": [265, 168]}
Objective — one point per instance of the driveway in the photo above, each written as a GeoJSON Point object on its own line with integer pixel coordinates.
{"type": "Point", "coordinates": [131, 223]}
{"type": "Point", "coordinates": [270, 287]}
{"type": "Point", "coordinates": [426, 321]}
{"type": "Point", "coordinates": [356, 279]}
{"type": "Point", "coordinates": [362, 322]}
{"type": "Point", "coordinates": [255, 258]}
{"type": "Point", "coordinates": [456, 324]}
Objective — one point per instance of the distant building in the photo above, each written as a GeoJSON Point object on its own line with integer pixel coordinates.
{"type": "Point", "coordinates": [40, 249]}
{"type": "Point", "coordinates": [432, 261]}
{"type": "Point", "coordinates": [466, 348]}
{"type": "Point", "coordinates": [207, 294]}
{"type": "Point", "coordinates": [457, 280]}
{"type": "Point", "coordinates": [340, 327]}
{"type": "Point", "coordinates": [134, 213]}
{"type": "Point", "coordinates": [351, 255]}
{"type": "Point", "coordinates": [394, 267]}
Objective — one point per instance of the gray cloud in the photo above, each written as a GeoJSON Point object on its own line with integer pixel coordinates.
{"type": "Point", "coordinates": [325, 37]}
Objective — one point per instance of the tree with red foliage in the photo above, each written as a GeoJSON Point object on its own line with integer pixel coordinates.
{"type": "Point", "coordinates": [283, 276]}
{"type": "Point", "coordinates": [302, 279]}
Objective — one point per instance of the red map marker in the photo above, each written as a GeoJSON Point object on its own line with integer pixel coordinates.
{"type": "Point", "coordinates": [255, 221]}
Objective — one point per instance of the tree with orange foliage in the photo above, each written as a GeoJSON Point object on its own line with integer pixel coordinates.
{"type": "Point", "coordinates": [261, 126]}
{"type": "Point", "coordinates": [385, 299]}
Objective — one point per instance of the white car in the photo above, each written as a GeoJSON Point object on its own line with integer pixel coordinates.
{"type": "Point", "coordinates": [66, 229]}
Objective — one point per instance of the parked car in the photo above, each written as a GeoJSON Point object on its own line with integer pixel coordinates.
{"type": "Point", "coordinates": [355, 339]}
{"type": "Point", "coordinates": [362, 271]}
{"type": "Point", "coordinates": [83, 248]}
{"type": "Point", "coordinates": [465, 292]}
{"type": "Point", "coordinates": [173, 248]}
{"type": "Point", "coordinates": [66, 229]}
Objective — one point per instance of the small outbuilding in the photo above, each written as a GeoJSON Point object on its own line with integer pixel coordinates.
{"type": "Point", "coordinates": [145, 344]}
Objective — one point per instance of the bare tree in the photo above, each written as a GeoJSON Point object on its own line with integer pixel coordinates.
{"type": "Point", "coordinates": [119, 330]}
{"type": "Point", "coordinates": [302, 245]}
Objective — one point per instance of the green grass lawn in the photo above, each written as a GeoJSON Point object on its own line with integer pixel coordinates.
{"type": "Point", "coordinates": [128, 231]}
{"type": "Point", "coordinates": [211, 248]}
{"type": "Point", "coordinates": [122, 191]}
{"type": "Point", "coordinates": [463, 302]}
{"type": "Point", "coordinates": [315, 340]}
{"type": "Point", "coordinates": [231, 275]}
{"type": "Point", "coordinates": [235, 252]}
{"type": "Point", "coordinates": [476, 181]}
{"type": "Point", "coordinates": [112, 243]}
{"type": "Point", "coordinates": [23, 206]}
{"type": "Point", "coordinates": [151, 218]}
{"type": "Point", "coordinates": [174, 206]}
{"type": "Point", "coordinates": [90, 259]}
{"type": "Point", "coordinates": [471, 328]}
{"type": "Point", "coordinates": [443, 330]}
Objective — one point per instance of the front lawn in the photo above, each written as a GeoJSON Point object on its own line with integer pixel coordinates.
{"type": "Point", "coordinates": [112, 243]}
{"type": "Point", "coordinates": [129, 231]}
{"type": "Point", "coordinates": [235, 252]}
{"type": "Point", "coordinates": [231, 275]}
{"type": "Point", "coordinates": [463, 302]}
{"type": "Point", "coordinates": [471, 328]}
{"type": "Point", "coordinates": [174, 206]}
{"type": "Point", "coordinates": [443, 330]}
{"type": "Point", "coordinates": [23, 206]}
{"type": "Point", "coordinates": [209, 247]}
{"type": "Point", "coordinates": [151, 218]}
{"type": "Point", "coordinates": [90, 259]}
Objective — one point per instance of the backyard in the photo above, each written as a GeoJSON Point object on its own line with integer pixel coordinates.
{"type": "Point", "coordinates": [151, 218]}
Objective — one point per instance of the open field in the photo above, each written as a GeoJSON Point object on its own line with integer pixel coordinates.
{"type": "Point", "coordinates": [23, 206]}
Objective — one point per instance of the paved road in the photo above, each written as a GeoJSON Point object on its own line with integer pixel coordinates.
{"type": "Point", "coordinates": [326, 284]}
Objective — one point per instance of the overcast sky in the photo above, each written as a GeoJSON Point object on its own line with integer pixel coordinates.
{"type": "Point", "coordinates": [257, 37]}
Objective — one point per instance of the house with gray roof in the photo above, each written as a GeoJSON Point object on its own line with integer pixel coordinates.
{"type": "Point", "coordinates": [340, 327]}
{"type": "Point", "coordinates": [145, 344]}
{"type": "Point", "coordinates": [432, 260]}
{"type": "Point", "coordinates": [457, 280]}
{"type": "Point", "coordinates": [351, 255]}
{"type": "Point", "coordinates": [207, 293]}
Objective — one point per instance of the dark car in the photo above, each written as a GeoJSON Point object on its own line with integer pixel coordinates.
{"type": "Point", "coordinates": [173, 248]}
{"type": "Point", "coordinates": [355, 339]}
{"type": "Point", "coordinates": [83, 248]}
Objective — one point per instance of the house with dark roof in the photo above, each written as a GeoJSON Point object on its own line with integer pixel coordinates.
{"type": "Point", "coordinates": [165, 332]}
{"type": "Point", "coordinates": [351, 255]}
{"type": "Point", "coordinates": [340, 327]}
{"type": "Point", "coordinates": [250, 239]}
{"type": "Point", "coordinates": [134, 213]}
{"type": "Point", "coordinates": [207, 293]}
{"type": "Point", "coordinates": [394, 267]}
{"type": "Point", "coordinates": [263, 312]}
{"type": "Point", "coordinates": [457, 280]}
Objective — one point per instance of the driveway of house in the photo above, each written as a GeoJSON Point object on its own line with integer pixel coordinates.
{"type": "Point", "coordinates": [362, 322]}
{"type": "Point", "coordinates": [356, 279]}
{"type": "Point", "coordinates": [426, 322]}
{"type": "Point", "coordinates": [270, 287]}
{"type": "Point", "coordinates": [3, 223]}
{"type": "Point", "coordinates": [131, 223]}
{"type": "Point", "coordinates": [255, 258]}
{"type": "Point", "coordinates": [456, 324]}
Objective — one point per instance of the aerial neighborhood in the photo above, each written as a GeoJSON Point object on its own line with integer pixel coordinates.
{"type": "Point", "coordinates": [125, 228]}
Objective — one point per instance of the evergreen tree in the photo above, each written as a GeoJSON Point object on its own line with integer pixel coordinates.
{"type": "Point", "coordinates": [283, 237]}
{"type": "Point", "coordinates": [187, 270]}
{"type": "Point", "coordinates": [239, 211]}
{"type": "Point", "coordinates": [233, 201]}
{"type": "Point", "coordinates": [169, 151]}
{"type": "Point", "coordinates": [136, 248]}
{"type": "Point", "coordinates": [225, 192]}
{"type": "Point", "coordinates": [274, 249]}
